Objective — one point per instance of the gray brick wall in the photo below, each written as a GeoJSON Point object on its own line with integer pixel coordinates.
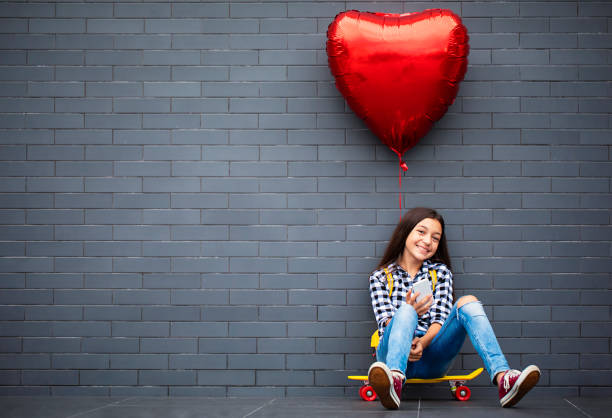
{"type": "Point", "coordinates": [188, 207]}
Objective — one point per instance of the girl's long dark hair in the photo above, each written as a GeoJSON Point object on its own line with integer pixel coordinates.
{"type": "Point", "coordinates": [396, 245]}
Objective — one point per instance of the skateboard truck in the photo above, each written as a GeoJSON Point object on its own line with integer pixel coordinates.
{"type": "Point", "coordinates": [459, 390]}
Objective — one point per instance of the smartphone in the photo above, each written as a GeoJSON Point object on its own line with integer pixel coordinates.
{"type": "Point", "coordinates": [424, 287]}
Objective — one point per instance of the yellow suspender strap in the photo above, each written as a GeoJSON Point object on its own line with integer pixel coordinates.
{"type": "Point", "coordinates": [389, 280]}
{"type": "Point", "coordinates": [434, 279]}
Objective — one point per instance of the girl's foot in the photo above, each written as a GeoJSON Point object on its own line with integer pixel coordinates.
{"type": "Point", "coordinates": [515, 384]}
{"type": "Point", "coordinates": [386, 384]}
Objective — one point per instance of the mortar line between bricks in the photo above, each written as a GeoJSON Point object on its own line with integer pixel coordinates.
{"type": "Point", "coordinates": [100, 407]}
{"type": "Point", "coordinates": [585, 414]}
{"type": "Point", "coordinates": [258, 409]}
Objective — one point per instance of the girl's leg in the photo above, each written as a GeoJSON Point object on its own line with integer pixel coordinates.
{"type": "Point", "coordinates": [472, 320]}
{"type": "Point", "coordinates": [439, 355]}
{"type": "Point", "coordinates": [394, 347]}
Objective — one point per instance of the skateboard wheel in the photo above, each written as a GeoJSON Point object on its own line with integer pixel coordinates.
{"type": "Point", "coordinates": [463, 393]}
{"type": "Point", "coordinates": [367, 393]}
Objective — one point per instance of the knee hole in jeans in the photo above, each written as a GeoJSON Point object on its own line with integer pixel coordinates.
{"type": "Point", "coordinates": [463, 300]}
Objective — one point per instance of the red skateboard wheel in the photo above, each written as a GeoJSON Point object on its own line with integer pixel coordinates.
{"type": "Point", "coordinates": [367, 393]}
{"type": "Point", "coordinates": [463, 393]}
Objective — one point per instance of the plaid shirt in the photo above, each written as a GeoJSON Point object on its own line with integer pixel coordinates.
{"type": "Point", "coordinates": [385, 307]}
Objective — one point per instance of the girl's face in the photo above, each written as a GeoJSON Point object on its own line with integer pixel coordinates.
{"type": "Point", "coordinates": [422, 242]}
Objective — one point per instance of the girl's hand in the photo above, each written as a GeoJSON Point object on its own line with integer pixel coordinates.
{"type": "Point", "coordinates": [416, 350]}
{"type": "Point", "coordinates": [421, 307]}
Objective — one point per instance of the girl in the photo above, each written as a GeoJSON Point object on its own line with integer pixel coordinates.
{"type": "Point", "coordinates": [421, 339]}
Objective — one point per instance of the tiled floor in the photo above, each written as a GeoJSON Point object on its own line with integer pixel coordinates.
{"type": "Point", "coordinates": [137, 407]}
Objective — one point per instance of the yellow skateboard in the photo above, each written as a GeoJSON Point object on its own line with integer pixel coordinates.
{"type": "Point", "coordinates": [457, 385]}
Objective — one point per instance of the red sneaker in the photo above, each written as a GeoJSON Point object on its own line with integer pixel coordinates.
{"type": "Point", "coordinates": [516, 384]}
{"type": "Point", "coordinates": [387, 385]}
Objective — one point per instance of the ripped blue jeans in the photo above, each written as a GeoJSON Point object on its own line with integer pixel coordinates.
{"type": "Point", "coordinates": [470, 319]}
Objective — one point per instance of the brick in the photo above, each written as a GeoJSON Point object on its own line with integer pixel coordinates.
{"type": "Point", "coordinates": [168, 345]}
{"type": "Point", "coordinates": [83, 41]}
{"type": "Point", "coordinates": [173, 377]}
{"type": "Point", "coordinates": [523, 88]}
{"type": "Point", "coordinates": [501, 72]}
{"type": "Point", "coordinates": [292, 25]}
{"type": "Point", "coordinates": [80, 361]}
{"type": "Point", "coordinates": [594, 40]}
{"type": "Point", "coordinates": [285, 281]}
{"type": "Point", "coordinates": [108, 377]}
{"type": "Point", "coordinates": [229, 313]}
{"type": "Point", "coordinates": [136, 41]}
{"type": "Point", "coordinates": [492, 200]}
{"type": "Point", "coordinates": [200, 136]}
{"type": "Point", "coordinates": [581, 313]}
{"type": "Point", "coordinates": [287, 57]}
{"type": "Point", "coordinates": [227, 345]}
{"type": "Point", "coordinates": [579, 185]}
{"type": "Point", "coordinates": [345, 249]}
{"type": "Point", "coordinates": [551, 232]}
{"type": "Point", "coordinates": [551, 201]}
{"type": "Point", "coordinates": [288, 89]}
{"type": "Point", "coordinates": [315, 200]}
{"type": "Point", "coordinates": [50, 377]}
{"type": "Point", "coordinates": [200, 41]}
{"type": "Point", "coordinates": [198, 361]}
{"type": "Point", "coordinates": [524, 249]}
{"type": "Point", "coordinates": [287, 249]}
{"type": "Point", "coordinates": [516, 120]}
{"type": "Point", "coordinates": [142, 10]}
{"type": "Point", "coordinates": [201, 329]}
{"type": "Point", "coordinates": [315, 361]}
{"type": "Point", "coordinates": [549, 105]}
{"type": "Point", "coordinates": [255, 361]}
{"type": "Point", "coordinates": [582, 377]}
{"type": "Point", "coordinates": [285, 345]}
{"type": "Point", "coordinates": [582, 25]}
{"type": "Point", "coordinates": [287, 377]}
{"type": "Point", "coordinates": [226, 377]}
{"type": "Point", "coordinates": [576, 88]}
{"type": "Point", "coordinates": [578, 121]}
{"type": "Point", "coordinates": [234, 281]}
{"type": "Point", "coordinates": [520, 56]}
{"type": "Point", "coordinates": [521, 185]}
{"type": "Point", "coordinates": [549, 9]}
{"type": "Point", "coordinates": [574, 56]}
{"type": "Point", "coordinates": [553, 361]}
{"type": "Point", "coordinates": [578, 345]}
{"type": "Point", "coordinates": [257, 329]}
{"type": "Point", "coordinates": [290, 313]}
{"type": "Point", "coordinates": [570, 217]}
{"type": "Point", "coordinates": [26, 41]}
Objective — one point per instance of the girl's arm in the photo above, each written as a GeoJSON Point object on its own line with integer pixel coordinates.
{"type": "Point", "coordinates": [381, 301]}
{"type": "Point", "coordinates": [420, 343]}
{"type": "Point", "coordinates": [430, 334]}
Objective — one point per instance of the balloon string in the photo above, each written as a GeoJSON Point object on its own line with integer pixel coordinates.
{"type": "Point", "coordinates": [400, 188]}
{"type": "Point", "coordinates": [402, 167]}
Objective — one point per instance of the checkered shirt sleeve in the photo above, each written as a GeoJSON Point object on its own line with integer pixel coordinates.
{"type": "Point", "coordinates": [443, 296]}
{"type": "Point", "coordinates": [381, 301]}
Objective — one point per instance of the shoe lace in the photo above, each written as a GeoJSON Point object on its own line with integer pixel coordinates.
{"type": "Point", "coordinates": [509, 374]}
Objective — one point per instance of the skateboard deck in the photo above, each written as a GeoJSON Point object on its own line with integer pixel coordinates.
{"type": "Point", "coordinates": [457, 387]}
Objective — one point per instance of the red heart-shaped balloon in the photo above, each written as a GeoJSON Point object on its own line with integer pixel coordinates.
{"type": "Point", "coordinates": [399, 73]}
